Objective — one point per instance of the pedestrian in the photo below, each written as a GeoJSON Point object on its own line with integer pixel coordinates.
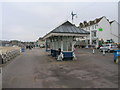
{"type": "Point", "coordinates": [74, 49]}
{"type": "Point", "coordinates": [60, 55]}
{"type": "Point", "coordinates": [29, 47]}
{"type": "Point", "coordinates": [59, 51]}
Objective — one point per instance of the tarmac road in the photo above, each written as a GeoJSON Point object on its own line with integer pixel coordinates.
{"type": "Point", "coordinates": [36, 69]}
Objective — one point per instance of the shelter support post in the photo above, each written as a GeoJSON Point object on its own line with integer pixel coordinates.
{"type": "Point", "coordinates": [97, 43]}
{"type": "Point", "coordinates": [86, 42]}
{"type": "Point", "coordinates": [46, 45]}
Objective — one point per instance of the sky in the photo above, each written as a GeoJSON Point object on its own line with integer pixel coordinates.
{"type": "Point", "coordinates": [27, 21]}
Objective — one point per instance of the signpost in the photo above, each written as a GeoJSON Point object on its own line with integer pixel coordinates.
{"type": "Point", "coordinates": [100, 29]}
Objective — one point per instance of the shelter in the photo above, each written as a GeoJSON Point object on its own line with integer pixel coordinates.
{"type": "Point", "coordinates": [64, 37]}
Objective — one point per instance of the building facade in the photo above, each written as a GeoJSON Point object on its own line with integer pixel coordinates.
{"type": "Point", "coordinates": [115, 31]}
{"type": "Point", "coordinates": [40, 41]}
{"type": "Point", "coordinates": [101, 30]}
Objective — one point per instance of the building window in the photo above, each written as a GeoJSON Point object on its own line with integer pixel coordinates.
{"type": "Point", "coordinates": [69, 46]}
{"type": "Point", "coordinates": [89, 28]}
{"type": "Point", "coordinates": [96, 26]}
{"type": "Point", "coordinates": [93, 27]}
{"type": "Point", "coordinates": [83, 40]}
{"type": "Point", "coordinates": [93, 34]}
{"type": "Point", "coordinates": [94, 42]}
{"type": "Point", "coordinates": [59, 44]}
{"type": "Point", "coordinates": [88, 41]}
{"type": "Point", "coordinates": [64, 45]}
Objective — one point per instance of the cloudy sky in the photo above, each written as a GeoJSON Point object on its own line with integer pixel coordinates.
{"type": "Point", "coordinates": [27, 21]}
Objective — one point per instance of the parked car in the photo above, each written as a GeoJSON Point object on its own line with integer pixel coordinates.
{"type": "Point", "coordinates": [99, 46]}
{"type": "Point", "coordinates": [42, 45]}
{"type": "Point", "coordinates": [108, 47]}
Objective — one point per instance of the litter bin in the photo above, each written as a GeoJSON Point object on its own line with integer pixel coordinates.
{"type": "Point", "coordinates": [116, 55]}
{"type": "Point", "coordinates": [54, 53]}
{"type": "Point", "coordinates": [22, 50]}
{"type": "Point", "coordinates": [1, 60]}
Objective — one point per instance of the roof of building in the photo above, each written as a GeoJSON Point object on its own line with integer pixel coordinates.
{"type": "Point", "coordinates": [111, 21]}
{"type": "Point", "coordinates": [68, 28]}
{"type": "Point", "coordinates": [85, 23]}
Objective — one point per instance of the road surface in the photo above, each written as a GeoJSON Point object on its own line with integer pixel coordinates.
{"type": "Point", "coordinates": [36, 69]}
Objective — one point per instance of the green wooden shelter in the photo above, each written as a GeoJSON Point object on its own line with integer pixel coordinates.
{"type": "Point", "coordinates": [64, 37]}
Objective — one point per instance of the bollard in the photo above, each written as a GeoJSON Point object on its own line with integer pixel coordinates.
{"type": "Point", "coordinates": [103, 52]}
{"type": "Point", "coordinates": [117, 58]}
{"type": "Point", "coordinates": [22, 50]}
{"type": "Point", "coordinates": [117, 53]}
{"type": "Point", "coordinates": [93, 51]}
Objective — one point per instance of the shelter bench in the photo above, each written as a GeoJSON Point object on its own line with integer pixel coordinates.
{"type": "Point", "coordinates": [68, 55]}
{"type": "Point", "coordinates": [54, 53]}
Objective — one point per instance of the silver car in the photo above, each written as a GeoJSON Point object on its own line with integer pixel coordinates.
{"type": "Point", "coordinates": [108, 47]}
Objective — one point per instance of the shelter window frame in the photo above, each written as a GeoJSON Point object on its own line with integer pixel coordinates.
{"type": "Point", "coordinates": [67, 44]}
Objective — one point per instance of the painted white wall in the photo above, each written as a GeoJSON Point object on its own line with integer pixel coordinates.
{"type": "Point", "coordinates": [40, 42]}
{"type": "Point", "coordinates": [105, 25]}
{"type": "Point", "coordinates": [114, 31]}
{"type": "Point", "coordinates": [107, 30]}
{"type": "Point", "coordinates": [119, 33]}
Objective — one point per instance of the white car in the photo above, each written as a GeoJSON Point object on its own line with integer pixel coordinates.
{"type": "Point", "coordinates": [42, 45]}
{"type": "Point", "coordinates": [108, 47]}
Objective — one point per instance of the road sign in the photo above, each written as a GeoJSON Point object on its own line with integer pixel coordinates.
{"type": "Point", "coordinates": [100, 29]}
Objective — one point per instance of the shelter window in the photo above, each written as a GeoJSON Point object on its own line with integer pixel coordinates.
{"type": "Point", "coordinates": [64, 45]}
{"type": "Point", "coordinates": [69, 46]}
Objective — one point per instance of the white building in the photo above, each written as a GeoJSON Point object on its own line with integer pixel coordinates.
{"type": "Point", "coordinates": [101, 29]}
{"type": "Point", "coordinates": [40, 41]}
{"type": "Point", "coordinates": [115, 31]}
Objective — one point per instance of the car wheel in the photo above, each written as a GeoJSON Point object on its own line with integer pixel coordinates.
{"type": "Point", "coordinates": [100, 50]}
{"type": "Point", "coordinates": [109, 51]}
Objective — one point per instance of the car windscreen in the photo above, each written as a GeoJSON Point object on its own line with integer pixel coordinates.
{"type": "Point", "coordinates": [114, 45]}
{"type": "Point", "coordinates": [105, 45]}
